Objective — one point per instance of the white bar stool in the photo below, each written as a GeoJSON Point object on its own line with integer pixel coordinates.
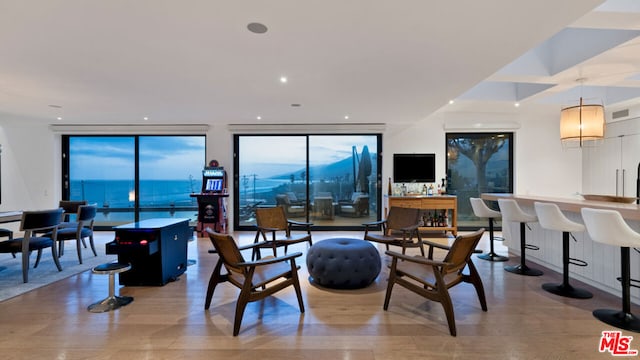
{"type": "Point", "coordinates": [511, 211]}
{"type": "Point", "coordinates": [481, 210]}
{"type": "Point", "coordinates": [609, 228]}
{"type": "Point", "coordinates": [551, 218]}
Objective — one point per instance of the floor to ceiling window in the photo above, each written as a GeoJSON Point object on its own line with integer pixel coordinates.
{"type": "Point", "coordinates": [330, 180]}
{"type": "Point", "coordinates": [133, 178]}
{"type": "Point", "coordinates": [478, 163]}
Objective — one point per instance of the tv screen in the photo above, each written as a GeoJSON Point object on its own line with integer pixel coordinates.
{"type": "Point", "coordinates": [213, 185]}
{"type": "Point", "coordinates": [414, 168]}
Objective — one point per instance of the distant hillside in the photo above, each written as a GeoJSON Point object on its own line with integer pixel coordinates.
{"type": "Point", "coordinates": [340, 169]}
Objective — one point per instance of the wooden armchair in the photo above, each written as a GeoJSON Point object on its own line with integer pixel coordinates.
{"type": "Point", "coordinates": [400, 228]}
{"type": "Point", "coordinates": [433, 279]}
{"type": "Point", "coordinates": [255, 279]}
{"type": "Point", "coordinates": [276, 230]}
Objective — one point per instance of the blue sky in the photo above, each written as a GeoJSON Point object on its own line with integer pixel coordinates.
{"type": "Point", "coordinates": [112, 157]}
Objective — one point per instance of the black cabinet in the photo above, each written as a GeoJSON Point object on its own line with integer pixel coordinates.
{"type": "Point", "coordinates": [155, 248]}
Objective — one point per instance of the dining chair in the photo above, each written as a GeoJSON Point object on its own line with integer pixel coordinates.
{"type": "Point", "coordinates": [35, 222]}
{"type": "Point", "coordinates": [83, 229]}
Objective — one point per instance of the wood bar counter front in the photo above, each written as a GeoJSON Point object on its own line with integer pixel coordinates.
{"type": "Point", "coordinates": [603, 261]}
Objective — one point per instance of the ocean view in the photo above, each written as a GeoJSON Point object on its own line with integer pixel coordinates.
{"type": "Point", "coordinates": [153, 193]}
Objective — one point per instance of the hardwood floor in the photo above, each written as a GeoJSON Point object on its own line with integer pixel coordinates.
{"type": "Point", "coordinates": [169, 322]}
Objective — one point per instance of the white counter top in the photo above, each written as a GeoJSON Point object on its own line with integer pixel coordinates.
{"type": "Point", "coordinates": [628, 211]}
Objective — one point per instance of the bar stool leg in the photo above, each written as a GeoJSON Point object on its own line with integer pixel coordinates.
{"type": "Point", "coordinates": [492, 256]}
{"type": "Point", "coordinates": [623, 319]}
{"type": "Point", "coordinates": [522, 269]}
{"type": "Point", "coordinates": [565, 289]}
{"type": "Point", "coordinates": [113, 301]}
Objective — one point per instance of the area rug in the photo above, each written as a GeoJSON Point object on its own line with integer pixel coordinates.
{"type": "Point", "coordinates": [11, 283]}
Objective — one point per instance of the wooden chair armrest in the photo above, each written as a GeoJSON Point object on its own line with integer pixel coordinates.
{"type": "Point", "coordinates": [439, 246]}
{"type": "Point", "coordinates": [245, 247]}
{"type": "Point", "coordinates": [270, 260]}
{"type": "Point", "coordinates": [416, 259]}
{"type": "Point", "coordinates": [298, 223]}
{"type": "Point", "coordinates": [374, 223]}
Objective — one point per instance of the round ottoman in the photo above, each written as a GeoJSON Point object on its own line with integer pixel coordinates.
{"type": "Point", "coordinates": [343, 263]}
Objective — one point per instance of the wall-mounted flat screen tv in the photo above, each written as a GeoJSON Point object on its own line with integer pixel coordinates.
{"type": "Point", "coordinates": [414, 168]}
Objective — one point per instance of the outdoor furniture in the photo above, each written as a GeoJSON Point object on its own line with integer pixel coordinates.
{"type": "Point", "coordinates": [292, 209]}
{"type": "Point", "coordinates": [343, 263]}
{"type": "Point", "coordinates": [357, 206]}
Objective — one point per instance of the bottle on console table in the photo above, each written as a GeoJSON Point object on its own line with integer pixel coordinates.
{"type": "Point", "coordinates": [430, 190]}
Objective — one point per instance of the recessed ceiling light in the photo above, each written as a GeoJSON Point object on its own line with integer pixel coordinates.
{"type": "Point", "coordinates": [346, 117]}
{"type": "Point", "coordinates": [59, 118]}
{"type": "Point", "coordinates": [451, 102]}
{"type": "Point", "coordinates": [283, 79]}
{"type": "Point", "coordinates": [145, 118]}
{"type": "Point", "coordinates": [259, 117]}
{"type": "Point", "coordinates": [516, 104]}
{"type": "Point", "coordinates": [257, 28]}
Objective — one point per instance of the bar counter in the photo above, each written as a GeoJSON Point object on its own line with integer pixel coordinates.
{"type": "Point", "coordinates": [603, 260]}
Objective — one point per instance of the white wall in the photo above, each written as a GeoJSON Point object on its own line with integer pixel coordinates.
{"type": "Point", "coordinates": [31, 154]}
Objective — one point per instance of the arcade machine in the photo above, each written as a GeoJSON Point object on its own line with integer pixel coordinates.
{"type": "Point", "coordinates": [212, 211]}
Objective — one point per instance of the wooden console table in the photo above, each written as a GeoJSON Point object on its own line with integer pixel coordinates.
{"type": "Point", "coordinates": [436, 202]}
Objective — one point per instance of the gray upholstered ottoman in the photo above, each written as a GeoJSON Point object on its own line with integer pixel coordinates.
{"type": "Point", "coordinates": [343, 263]}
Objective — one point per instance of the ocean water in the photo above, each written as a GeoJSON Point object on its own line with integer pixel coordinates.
{"type": "Point", "coordinates": [153, 193]}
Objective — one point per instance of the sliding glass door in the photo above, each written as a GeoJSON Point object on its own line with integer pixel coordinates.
{"type": "Point", "coordinates": [478, 163]}
{"type": "Point", "coordinates": [330, 180]}
{"type": "Point", "coordinates": [133, 178]}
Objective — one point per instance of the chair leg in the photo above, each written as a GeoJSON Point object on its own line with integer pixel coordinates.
{"type": "Point", "coordinates": [241, 305]}
{"type": "Point", "coordinates": [565, 289]}
{"type": "Point", "coordinates": [93, 246]}
{"type": "Point", "coordinates": [25, 266]}
{"type": "Point", "coordinates": [38, 258]}
{"type": "Point", "coordinates": [54, 255]}
{"type": "Point", "coordinates": [622, 319]}
{"type": "Point", "coordinates": [476, 281]}
{"type": "Point", "coordinates": [79, 249]}
{"type": "Point", "coordinates": [445, 300]}
{"type": "Point", "coordinates": [213, 281]}
{"type": "Point", "coordinates": [296, 285]}
{"type": "Point", "coordinates": [492, 255]}
{"type": "Point", "coordinates": [523, 269]}
{"type": "Point", "coordinates": [390, 282]}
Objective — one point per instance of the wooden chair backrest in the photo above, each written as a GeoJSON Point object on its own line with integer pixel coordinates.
{"type": "Point", "coordinates": [400, 217]}
{"type": "Point", "coordinates": [274, 218]}
{"type": "Point", "coordinates": [461, 250]}
{"type": "Point", "coordinates": [228, 251]}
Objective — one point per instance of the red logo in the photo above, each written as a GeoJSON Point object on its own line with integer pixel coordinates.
{"type": "Point", "coordinates": [617, 344]}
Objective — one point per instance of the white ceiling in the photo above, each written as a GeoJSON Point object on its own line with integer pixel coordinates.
{"type": "Point", "coordinates": [377, 61]}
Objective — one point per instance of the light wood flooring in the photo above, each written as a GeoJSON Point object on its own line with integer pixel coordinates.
{"type": "Point", "coordinates": [169, 322]}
